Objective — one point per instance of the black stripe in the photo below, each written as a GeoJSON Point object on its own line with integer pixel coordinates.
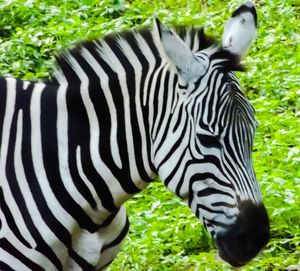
{"type": "Point", "coordinates": [192, 33]}
{"type": "Point", "coordinates": [181, 117]}
{"type": "Point", "coordinates": [51, 160]}
{"type": "Point", "coordinates": [155, 100]}
{"type": "Point", "coordinates": [10, 220]}
{"type": "Point", "coordinates": [209, 101]}
{"type": "Point", "coordinates": [98, 98]}
{"type": "Point", "coordinates": [3, 94]}
{"type": "Point", "coordinates": [175, 145]}
{"type": "Point", "coordinates": [166, 131]}
{"type": "Point", "coordinates": [218, 224]}
{"type": "Point", "coordinates": [5, 267]}
{"type": "Point", "coordinates": [222, 203]}
{"type": "Point", "coordinates": [173, 173]}
{"type": "Point", "coordinates": [78, 131]}
{"type": "Point", "coordinates": [145, 70]}
{"type": "Point", "coordinates": [131, 87]}
{"type": "Point", "coordinates": [120, 237]}
{"type": "Point", "coordinates": [130, 37]}
{"type": "Point", "coordinates": [209, 210]}
{"type": "Point", "coordinates": [23, 101]}
{"type": "Point", "coordinates": [99, 184]}
{"type": "Point", "coordinates": [109, 219]}
{"type": "Point", "coordinates": [9, 248]}
{"type": "Point", "coordinates": [80, 261]}
{"type": "Point", "coordinates": [205, 176]}
{"type": "Point", "coordinates": [183, 86]}
{"type": "Point", "coordinates": [212, 191]}
{"type": "Point", "coordinates": [55, 226]}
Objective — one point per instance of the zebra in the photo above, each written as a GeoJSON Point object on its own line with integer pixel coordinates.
{"type": "Point", "coordinates": [118, 112]}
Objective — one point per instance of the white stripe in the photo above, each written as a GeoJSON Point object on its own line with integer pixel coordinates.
{"type": "Point", "coordinates": [117, 66]}
{"type": "Point", "coordinates": [101, 213]}
{"type": "Point", "coordinates": [172, 186]}
{"type": "Point", "coordinates": [109, 234]}
{"type": "Point", "coordinates": [8, 197]}
{"type": "Point", "coordinates": [206, 168]}
{"type": "Point", "coordinates": [12, 262]}
{"type": "Point", "coordinates": [215, 102]}
{"type": "Point", "coordinates": [31, 206]}
{"type": "Point", "coordinates": [171, 95]}
{"type": "Point", "coordinates": [208, 98]}
{"type": "Point", "coordinates": [26, 84]}
{"type": "Point", "coordinates": [104, 82]}
{"type": "Point", "coordinates": [63, 151]}
{"type": "Point", "coordinates": [131, 56]}
{"type": "Point", "coordinates": [160, 102]}
{"type": "Point", "coordinates": [172, 138]}
{"type": "Point", "coordinates": [151, 99]}
{"type": "Point", "coordinates": [144, 47]}
{"type": "Point", "coordinates": [38, 164]}
{"type": "Point", "coordinates": [118, 194]}
{"type": "Point", "coordinates": [9, 111]}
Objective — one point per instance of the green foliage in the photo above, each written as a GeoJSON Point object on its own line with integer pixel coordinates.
{"type": "Point", "coordinates": [164, 235]}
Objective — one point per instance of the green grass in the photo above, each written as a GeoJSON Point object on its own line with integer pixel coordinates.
{"type": "Point", "coordinates": [164, 235]}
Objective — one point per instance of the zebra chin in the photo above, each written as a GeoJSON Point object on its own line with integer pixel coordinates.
{"type": "Point", "coordinates": [243, 240]}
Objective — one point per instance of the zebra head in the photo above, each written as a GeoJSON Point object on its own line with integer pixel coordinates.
{"type": "Point", "coordinates": [205, 156]}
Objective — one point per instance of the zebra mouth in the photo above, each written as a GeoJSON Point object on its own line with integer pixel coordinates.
{"type": "Point", "coordinates": [225, 255]}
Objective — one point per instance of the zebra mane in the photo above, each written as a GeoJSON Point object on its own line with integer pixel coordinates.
{"type": "Point", "coordinates": [195, 38]}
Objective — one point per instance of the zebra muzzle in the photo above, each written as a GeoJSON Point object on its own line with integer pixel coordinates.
{"type": "Point", "coordinates": [242, 241]}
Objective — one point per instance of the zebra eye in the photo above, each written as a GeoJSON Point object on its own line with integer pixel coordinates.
{"type": "Point", "coordinates": [209, 141]}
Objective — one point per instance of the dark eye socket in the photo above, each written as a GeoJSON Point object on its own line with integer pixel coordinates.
{"type": "Point", "coordinates": [209, 141]}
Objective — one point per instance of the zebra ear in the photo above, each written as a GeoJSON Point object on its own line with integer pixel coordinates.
{"type": "Point", "coordinates": [240, 30]}
{"type": "Point", "coordinates": [187, 65]}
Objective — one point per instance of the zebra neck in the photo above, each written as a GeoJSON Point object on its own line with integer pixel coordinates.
{"type": "Point", "coordinates": [110, 96]}
{"type": "Point", "coordinates": [125, 90]}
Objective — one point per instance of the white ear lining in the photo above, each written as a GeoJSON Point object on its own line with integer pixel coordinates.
{"type": "Point", "coordinates": [187, 65]}
{"type": "Point", "coordinates": [240, 30]}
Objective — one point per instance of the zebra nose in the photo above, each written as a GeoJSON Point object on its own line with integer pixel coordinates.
{"type": "Point", "coordinates": [250, 233]}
